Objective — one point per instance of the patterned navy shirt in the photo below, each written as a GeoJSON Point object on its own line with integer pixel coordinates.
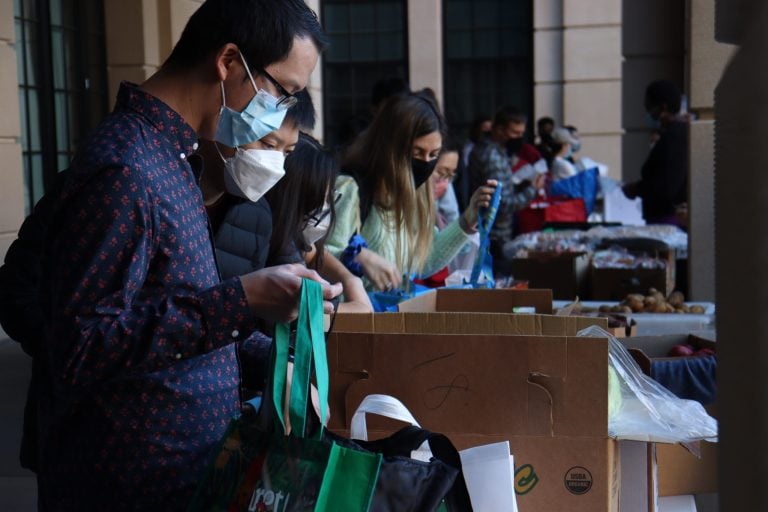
{"type": "Point", "coordinates": [139, 367]}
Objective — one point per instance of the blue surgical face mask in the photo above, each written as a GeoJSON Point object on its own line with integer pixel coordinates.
{"type": "Point", "coordinates": [260, 117]}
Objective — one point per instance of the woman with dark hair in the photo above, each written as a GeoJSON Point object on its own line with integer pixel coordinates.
{"type": "Point", "coordinates": [387, 201]}
{"type": "Point", "coordinates": [303, 213]}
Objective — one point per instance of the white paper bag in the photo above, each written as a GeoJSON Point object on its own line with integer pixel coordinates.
{"type": "Point", "coordinates": [489, 472]}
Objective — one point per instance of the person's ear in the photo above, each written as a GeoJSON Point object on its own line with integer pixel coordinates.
{"type": "Point", "coordinates": [227, 57]}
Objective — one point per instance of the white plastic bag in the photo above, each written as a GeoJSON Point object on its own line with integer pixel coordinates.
{"type": "Point", "coordinates": [641, 409]}
{"type": "Point", "coordinates": [489, 472]}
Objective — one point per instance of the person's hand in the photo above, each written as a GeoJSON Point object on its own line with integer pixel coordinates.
{"type": "Point", "coordinates": [480, 199]}
{"type": "Point", "coordinates": [273, 292]}
{"type": "Point", "coordinates": [540, 182]}
{"type": "Point", "coordinates": [383, 274]}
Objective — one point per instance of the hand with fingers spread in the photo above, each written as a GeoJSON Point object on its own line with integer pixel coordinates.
{"type": "Point", "coordinates": [273, 292]}
{"type": "Point", "coordinates": [480, 199]}
{"type": "Point", "coordinates": [383, 274]}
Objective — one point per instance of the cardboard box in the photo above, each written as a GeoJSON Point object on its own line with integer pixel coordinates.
{"type": "Point", "coordinates": [679, 471]}
{"type": "Point", "coordinates": [565, 274]}
{"type": "Point", "coordinates": [479, 301]}
{"type": "Point", "coordinates": [547, 395]}
{"type": "Point", "coordinates": [617, 283]}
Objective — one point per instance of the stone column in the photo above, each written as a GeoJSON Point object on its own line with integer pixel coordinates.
{"type": "Point", "coordinates": [741, 256]}
{"type": "Point", "coordinates": [548, 60]}
{"type": "Point", "coordinates": [12, 176]}
{"type": "Point", "coordinates": [315, 85]}
{"type": "Point", "coordinates": [425, 45]}
{"type": "Point", "coordinates": [133, 41]}
{"type": "Point", "coordinates": [706, 59]}
{"type": "Point", "coordinates": [653, 46]}
{"type": "Point", "coordinates": [592, 72]}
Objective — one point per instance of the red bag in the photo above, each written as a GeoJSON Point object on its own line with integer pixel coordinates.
{"type": "Point", "coordinates": [552, 209]}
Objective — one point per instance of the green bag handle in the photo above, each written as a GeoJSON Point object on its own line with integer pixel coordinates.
{"type": "Point", "coordinates": [309, 353]}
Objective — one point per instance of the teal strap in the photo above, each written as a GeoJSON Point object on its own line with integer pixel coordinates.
{"type": "Point", "coordinates": [317, 332]}
{"type": "Point", "coordinates": [280, 369]}
{"type": "Point", "coordinates": [302, 366]}
{"type": "Point", "coordinates": [309, 353]}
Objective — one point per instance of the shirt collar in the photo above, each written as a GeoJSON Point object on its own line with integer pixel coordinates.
{"type": "Point", "coordinates": [166, 120]}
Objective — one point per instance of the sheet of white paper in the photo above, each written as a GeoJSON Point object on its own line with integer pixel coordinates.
{"type": "Point", "coordinates": [618, 208]}
{"type": "Point", "coordinates": [489, 472]}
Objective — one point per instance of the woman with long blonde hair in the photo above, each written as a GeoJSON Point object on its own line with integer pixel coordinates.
{"type": "Point", "coordinates": [385, 223]}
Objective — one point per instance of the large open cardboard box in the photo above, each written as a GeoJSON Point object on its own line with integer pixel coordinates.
{"type": "Point", "coordinates": [546, 394]}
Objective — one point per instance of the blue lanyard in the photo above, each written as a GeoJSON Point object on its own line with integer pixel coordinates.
{"type": "Point", "coordinates": [484, 261]}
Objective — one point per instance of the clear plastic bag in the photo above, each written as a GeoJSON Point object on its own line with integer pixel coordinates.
{"type": "Point", "coordinates": [641, 409]}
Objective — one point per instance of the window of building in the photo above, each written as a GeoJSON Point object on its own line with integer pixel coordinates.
{"type": "Point", "coordinates": [488, 58]}
{"type": "Point", "coordinates": [61, 63]}
{"type": "Point", "coordinates": [368, 43]}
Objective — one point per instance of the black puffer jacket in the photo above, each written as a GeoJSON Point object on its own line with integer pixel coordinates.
{"type": "Point", "coordinates": [242, 240]}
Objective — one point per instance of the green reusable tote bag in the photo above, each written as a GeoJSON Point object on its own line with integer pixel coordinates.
{"type": "Point", "coordinates": [257, 467]}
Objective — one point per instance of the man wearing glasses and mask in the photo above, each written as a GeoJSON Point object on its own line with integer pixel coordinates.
{"type": "Point", "coordinates": [138, 373]}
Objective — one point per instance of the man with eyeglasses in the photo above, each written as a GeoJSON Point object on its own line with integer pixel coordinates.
{"type": "Point", "coordinates": [138, 374]}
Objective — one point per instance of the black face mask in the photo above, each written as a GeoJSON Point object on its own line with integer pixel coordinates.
{"type": "Point", "coordinates": [514, 145]}
{"type": "Point", "coordinates": [421, 170]}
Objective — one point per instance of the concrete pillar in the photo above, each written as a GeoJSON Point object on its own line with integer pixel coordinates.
{"type": "Point", "coordinates": [172, 16]}
{"type": "Point", "coordinates": [133, 41]}
{"type": "Point", "coordinates": [425, 45]}
{"type": "Point", "coordinates": [12, 178]}
{"type": "Point", "coordinates": [706, 59]}
{"type": "Point", "coordinates": [653, 46]}
{"type": "Point", "coordinates": [548, 59]}
{"type": "Point", "coordinates": [315, 85]}
{"type": "Point", "coordinates": [741, 245]}
{"type": "Point", "coordinates": [592, 76]}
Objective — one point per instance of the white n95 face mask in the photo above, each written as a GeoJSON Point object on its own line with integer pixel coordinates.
{"type": "Point", "coordinates": [250, 173]}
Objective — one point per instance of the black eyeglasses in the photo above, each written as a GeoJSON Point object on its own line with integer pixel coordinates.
{"type": "Point", "coordinates": [315, 218]}
{"type": "Point", "coordinates": [287, 100]}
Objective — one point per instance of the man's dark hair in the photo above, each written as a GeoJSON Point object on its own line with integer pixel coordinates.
{"type": "Point", "coordinates": [387, 88]}
{"type": "Point", "coordinates": [302, 114]}
{"type": "Point", "coordinates": [508, 115]}
{"type": "Point", "coordinates": [663, 93]}
{"type": "Point", "coordinates": [263, 30]}
{"type": "Point", "coordinates": [542, 122]}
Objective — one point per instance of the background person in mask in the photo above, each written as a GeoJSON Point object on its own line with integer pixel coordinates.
{"type": "Point", "coordinates": [562, 145]}
{"type": "Point", "coordinates": [138, 372]}
{"type": "Point", "coordinates": [234, 184]}
{"type": "Point", "coordinates": [386, 198]}
{"type": "Point", "coordinates": [303, 208]}
{"type": "Point", "coordinates": [664, 176]}
{"type": "Point", "coordinates": [493, 160]}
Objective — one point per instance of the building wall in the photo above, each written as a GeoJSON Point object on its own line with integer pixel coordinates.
{"type": "Point", "coordinates": [11, 177]}
{"type": "Point", "coordinates": [425, 45]}
{"type": "Point", "coordinates": [578, 72]}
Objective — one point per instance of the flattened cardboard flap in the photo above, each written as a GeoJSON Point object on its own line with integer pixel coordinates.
{"type": "Point", "coordinates": [480, 301]}
{"type": "Point", "coordinates": [464, 323]}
